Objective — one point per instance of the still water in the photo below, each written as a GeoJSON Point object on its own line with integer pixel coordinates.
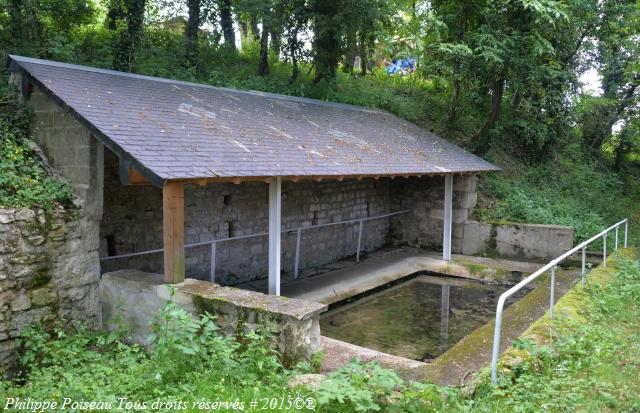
{"type": "Point", "coordinates": [418, 319]}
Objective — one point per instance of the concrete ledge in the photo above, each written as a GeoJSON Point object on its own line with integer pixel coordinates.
{"type": "Point", "coordinates": [339, 353]}
{"type": "Point", "coordinates": [135, 297]}
{"type": "Point", "coordinates": [514, 240]}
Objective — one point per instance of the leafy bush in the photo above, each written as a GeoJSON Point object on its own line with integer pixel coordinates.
{"type": "Point", "coordinates": [189, 361]}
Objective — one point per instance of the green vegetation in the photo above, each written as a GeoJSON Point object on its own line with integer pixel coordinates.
{"type": "Point", "coordinates": [23, 181]}
{"type": "Point", "coordinates": [190, 361]}
{"type": "Point", "coordinates": [590, 363]}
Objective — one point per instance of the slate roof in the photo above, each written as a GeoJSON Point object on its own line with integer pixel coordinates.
{"type": "Point", "coordinates": [173, 130]}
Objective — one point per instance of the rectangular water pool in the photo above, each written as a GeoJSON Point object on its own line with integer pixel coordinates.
{"type": "Point", "coordinates": [417, 319]}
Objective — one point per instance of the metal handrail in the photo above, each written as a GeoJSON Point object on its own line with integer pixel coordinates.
{"type": "Point", "coordinates": [552, 266]}
{"type": "Point", "coordinates": [298, 231]}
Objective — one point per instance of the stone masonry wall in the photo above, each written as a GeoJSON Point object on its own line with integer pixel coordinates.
{"type": "Point", "coordinates": [422, 226]}
{"type": "Point", "coordinates": [49, 263]}
{"type": "Point", "coordinates": [135, 298]}
{"type": "Point", "coordinates": [45, 273]}
{"type": "Point", "coordinates": [133, 222]}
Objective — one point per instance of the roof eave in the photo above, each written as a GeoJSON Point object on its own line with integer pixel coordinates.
{"type": "Point", "coordinates": [153, 178]}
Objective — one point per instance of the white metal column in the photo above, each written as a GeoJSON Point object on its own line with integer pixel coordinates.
{"type": "Point", "coordinates": [448, 217]}
{"type": "Point", "coordinates": [275, 209]}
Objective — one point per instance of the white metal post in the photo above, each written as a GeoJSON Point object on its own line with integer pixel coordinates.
{"type": "Point", "coordinates": [552, 291]}
{"type": "Point", "coordinates": [275, 210]}
{"type": "Point", "coordinates": [604, 250]}
{"type": "Point", "coordinates": [296, 264]}
{"type": "Point", "coordinates": [583, 274]}
{"type": "Point", "coordinates": [626, 232]}
{"type": "Point", "coordinates": [616, 244]}
{"type": "Point", "coordinates": [213, 262]}
{"type": "Point", "coordinates": [448, 217]}
{"type": "Point", "coordinates": [359, 241]}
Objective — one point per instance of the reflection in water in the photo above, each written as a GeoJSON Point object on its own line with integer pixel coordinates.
{"type": "Point", "coordinates": [444, 316]}
{"type": "Point", "coordinates": [418, 319]}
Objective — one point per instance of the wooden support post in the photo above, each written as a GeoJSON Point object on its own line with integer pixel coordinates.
{"type": "Point", "coordinates": [173, 228]}
{"type": "Point", "coordinates": [448, 217]}
{"type": "Point", "coordinates": [275, 207]}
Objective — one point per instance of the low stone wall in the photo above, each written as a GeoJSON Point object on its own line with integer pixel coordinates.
{"type": "Point", "coordinates": [49, 270]}
{"type": "Point", "coordinates": [137, 296]}
{"type": "Point", "coordinates": [520, 241]}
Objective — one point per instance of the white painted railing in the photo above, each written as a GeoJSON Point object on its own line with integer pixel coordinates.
{"type": "Point", "coordinates": [551, 266]}
{"type": "Point", "coordinates": [298, 230]}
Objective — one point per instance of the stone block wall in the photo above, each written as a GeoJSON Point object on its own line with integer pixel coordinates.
{"type": "Point", "coordinates": [46, 273]}
{"type": "Point", "coordinates": [49, 262]}
{"type": "Point", "coordinates": [529, 242]}
{"type": "Point", "coordinates": [133, 222]}
{"type": "Point", "coordinates": [135, 297]}
{"type": "Point", "coordinates": [423, 225]}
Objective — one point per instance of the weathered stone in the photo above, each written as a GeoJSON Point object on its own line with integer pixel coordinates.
{"type": "Point", "coordinates": [21, 302]}
{"type": "Point", "coordinates": [25, 214]}
{"type": "Point", "coordinates": [137, 296]}
{"type": "Point", "coordinates": [33, 316]}
{"type": "Point", "coordinates": [6, 216]}
{"type": "Point", "coordinates": [42, 297]}
{"type": "Point", "coordinates": [77, 270]}
{"type": "Point", "coordinates": [520, 241]}
{"type": "Point", "coordinates": [26, 259]}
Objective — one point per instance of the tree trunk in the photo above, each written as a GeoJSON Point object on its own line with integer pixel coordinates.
{"type": "Point", "coordinates": [115, 13]}
{"type": "Point", "coordinates": [226, 22]}
{"type": "Point", "coordinates": [123, 55]}
{"type": "Point", "coordinates": [457, 65]}
{"type": "Point", "coordinates": [620, 153]}
{"type": "Point", "coordinates": [452, 113]}
{"type": "Point", "coordinates": [326, 42]}
{"type": "Point", "coordinates": [191, 33]}
{"type": "Point", "coordinates": [352, 51]}
{"type": "Point", "coordinates": [364, 54]}
{"type": "Point", "coordinates": [293, 51]}
{"type": "Point", "coordinates": [479, 141]}
{"type": "Point", "coordinates": [276, 42]}
{"type": "Point", "coordinates": [263, 65]}
{"type": "Point", "coordinates": [253, 24]}
{"type": "Point", "coordinates": [16, 23]}
{"type": "Point", "coordinates": [31, 21]}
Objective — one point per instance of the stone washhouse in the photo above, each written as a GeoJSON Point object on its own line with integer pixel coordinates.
{"type": "Point", "coordinates": [162, 168]}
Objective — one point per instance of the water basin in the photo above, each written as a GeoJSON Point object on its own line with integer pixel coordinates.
{"type": "Point", "coordinates": [417, 319]}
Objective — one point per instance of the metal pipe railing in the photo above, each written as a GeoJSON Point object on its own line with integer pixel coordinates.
{"type": "Point", "coordinates": [298, 230]}
{"type": "Point", "coordinates": [550, 266]}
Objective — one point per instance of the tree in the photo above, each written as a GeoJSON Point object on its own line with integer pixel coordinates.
{"type": "Point", "coordinates": [263, 64]}
{"type": "Point", "coordinates": [326, 40]}
{"type": "Point", "coordinates": [191, 33]}
{"type": "Point", "coordinates": [293, 16]}
{"type": "Point", "coordinates": [125, 47]}
{"type": "Point", "coordinates": [618, 57]}
{"type": "Point", "coordinates": [226, 23]}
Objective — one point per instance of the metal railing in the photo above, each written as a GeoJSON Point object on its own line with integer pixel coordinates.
{"type": "Point", "coordinates": [551, 266]}
{"type": "Point", "coordinates": [298, 230]}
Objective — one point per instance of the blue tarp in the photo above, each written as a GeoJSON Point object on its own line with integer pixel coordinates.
{"type": "Point", "coordinates": [401, 66]}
